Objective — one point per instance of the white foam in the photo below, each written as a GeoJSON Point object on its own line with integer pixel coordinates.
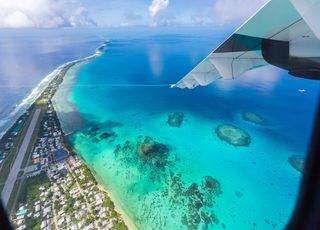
{"type": "Point", "coordinates": [19, 109]}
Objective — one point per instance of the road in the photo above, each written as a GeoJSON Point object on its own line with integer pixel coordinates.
{"type": "Point", "coordinates": [8, 187]}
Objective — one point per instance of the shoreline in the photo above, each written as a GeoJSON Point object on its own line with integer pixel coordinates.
{"type": "Point", "coordinates": [24, 105]}
{"type": "Point", "coordinates": [60, 72]}
{"type": "Point", "coordinates": [126, 219]}
{"type": "Point", "coordinates": [117, 207]}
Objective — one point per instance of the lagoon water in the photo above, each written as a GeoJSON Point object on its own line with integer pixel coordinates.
{"type": "Point", "coordinates": [197, 181]}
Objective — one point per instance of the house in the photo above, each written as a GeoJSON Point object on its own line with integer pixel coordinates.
{"type": "Point", "coordinates": [43, 224]}
{"type": "Point", "coordinates": [19, 222]}
{"type": "Point", "coordinates": [60, 221]}
{"type": "Point", "coordinates": [46, 211]}
{"type": "Point", "coordinates": [22, 227]}
{"type": "Point", "coordinates": [60, 155]}
{"type": "Point", "coordinates": [37, 208]}
{"type": "Point", "coordinates": [74, 227]}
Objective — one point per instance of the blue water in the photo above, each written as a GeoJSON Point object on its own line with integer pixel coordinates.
{"type": "Point", "coordinates": [256, 187]}
{"type": "Point", "coordinates": [28, 55]}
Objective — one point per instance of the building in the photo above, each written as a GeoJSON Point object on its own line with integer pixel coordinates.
{"type": "Point", "coordinates": [60, 155]}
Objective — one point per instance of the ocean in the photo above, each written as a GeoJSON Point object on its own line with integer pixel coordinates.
{"type": "Point", "coordinates": [29, 56]}
{"type": "Point", "coordinates": [116, 110]}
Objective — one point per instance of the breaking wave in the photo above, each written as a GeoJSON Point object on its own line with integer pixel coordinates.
{"type": "Point", "coordinates": [20, 108]}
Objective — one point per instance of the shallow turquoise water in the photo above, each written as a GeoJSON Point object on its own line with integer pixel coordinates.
{"type": "Point", "coordinates": [253, 187]}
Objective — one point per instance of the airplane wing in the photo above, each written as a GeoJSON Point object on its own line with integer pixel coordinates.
{"type": "Point", "coordinates": [284, 33]}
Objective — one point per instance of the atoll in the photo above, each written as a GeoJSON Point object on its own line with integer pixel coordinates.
{"type": "Point", "coordinates": [254, 118]}
{"type": "Point", "coordinates": [233, 135]}
{"type": "Point", "coordinates": [297, 162]}
{"type": "Point", "coordinates": [175, 119]}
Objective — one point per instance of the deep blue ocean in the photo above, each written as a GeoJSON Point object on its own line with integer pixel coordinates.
{"type": "Point", "coordinates": [122, 98]}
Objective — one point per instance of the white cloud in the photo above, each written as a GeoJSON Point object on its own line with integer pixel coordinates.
{"type": "Point", "coordinates": [42, 14]}
{"type": "Point", "coordinates": [124, 24]}
{"type": "Point", "coordinates": [17, 19]}
{"type": "Point", "coordinates": [80, 18]}
{"type": "Point", "coordinates": [157, 6]}
{"type": "Point", "coordinates": [234, 11]}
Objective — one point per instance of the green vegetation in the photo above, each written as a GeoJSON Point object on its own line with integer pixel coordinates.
{"type": "Point", "coordinates": [40, 102]}
{"type": "Point", "coordinates": [30, 189]}
{"type": "Point", "coordinates": [120, 226]}
{"type": "Point", "coordinates": [29, 193]}
{"type": "Point", "coordinates": [108, 203]}
{"type": "Point", "coordinates": [13, 196]}
{"type": "Point", "coordinates": [20, 174]}
{"type": "Point", "coordinates": [33, 223]}
{"type": "Point", "coordinates": [88, 174]}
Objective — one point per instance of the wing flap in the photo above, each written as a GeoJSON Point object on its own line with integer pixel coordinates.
{"type": "Point", "coordinates": [309, 10]}
{"type": "Point", "coordinates": [242, 51]}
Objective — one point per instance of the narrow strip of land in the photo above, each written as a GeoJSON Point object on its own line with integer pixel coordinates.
{"type": "Point", "coordinates": [8, 187]}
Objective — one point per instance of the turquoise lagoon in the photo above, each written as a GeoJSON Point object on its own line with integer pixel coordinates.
{"type": "Point", "coordinates": [193, 180]}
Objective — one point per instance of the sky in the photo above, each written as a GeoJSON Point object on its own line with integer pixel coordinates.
{"type": "Point", "coordinates": [121, 13]}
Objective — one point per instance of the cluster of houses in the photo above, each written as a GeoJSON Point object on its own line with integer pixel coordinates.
{"type": "Point", "coordinates": [72, 201]}
{"type": "Point", "coordinates": [40, 211]}
{"type": "Point", "coordinates": [71, 198]}
{"type": "Point", "coordinates": [49, 146]}
{"type": "Point", "coordinates": [78, 202]}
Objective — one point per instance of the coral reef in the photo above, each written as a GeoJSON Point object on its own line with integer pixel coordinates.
{"type": "Point", "coordinates": [156, 163]}
{"type": "Point", "coordinates": [175, 119]}
{"type": "Point", "coordinates": [152, 151]}
{"type": "Point", "coordinates": [199, 200]}
{"type": "Point", "coordinates": [297, 162]}
{"type": "Point", "coordinates": [148, 155]}
{"type": "Point", "coordinates": [233, 135]}
{"type": "Point", "coordinates": [254, 118]}
{"type": "Point", "coordinates": [102, 131]}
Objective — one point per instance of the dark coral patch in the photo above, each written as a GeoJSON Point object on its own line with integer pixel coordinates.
{"type": "Point", "coordinates": [239, 194]}
{"type": "Point", "coordinates": [156, 162]}
{"type": "Point", "coordinates": [211, 185]}
{"type": "Point", "coordinates": [297, 162]}
{"type": "Point", "coordinates": [175, 119]}
{"type": "Point", "coordinates": [254, 118]}
{"type": "Point", "coordinates": [149, 156]}
{"type": "Point", "coordinates": [198, 198]}
{"type": "Point", "coordinates": [152, 152]}
{"type": "Point", "coordinates": [106, 135]}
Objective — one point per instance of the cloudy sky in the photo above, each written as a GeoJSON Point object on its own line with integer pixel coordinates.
{"type": "Point", "coordinates": [115, 13]}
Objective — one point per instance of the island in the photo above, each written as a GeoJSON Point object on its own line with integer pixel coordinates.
{"type": "Point", "coordinates": [233, 135]}
{"type": "Point", "coordinates": [49, 186]}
